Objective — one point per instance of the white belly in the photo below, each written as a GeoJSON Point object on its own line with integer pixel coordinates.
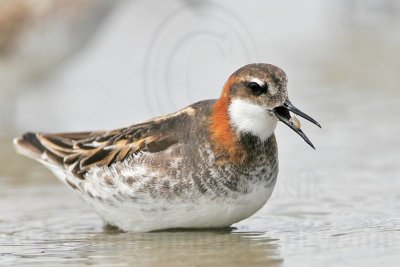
{"type": "Point", "coordinates": [202, 213]}
{"type": "Point", "coordinates": [130, 209]}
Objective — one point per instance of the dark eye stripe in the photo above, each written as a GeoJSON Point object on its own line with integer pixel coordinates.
{"type": "Point", "coordinates": [257, 89]}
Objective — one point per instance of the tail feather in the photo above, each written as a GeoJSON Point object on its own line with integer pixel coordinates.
{"type": "Point", "coordinates": [41, 147]}
{"type": "Point", "coordinates": [51, 149]}
{"type": "Point", "coordinates": [29, 145]}
{"type": "Point", "coordinates": [33, 145]}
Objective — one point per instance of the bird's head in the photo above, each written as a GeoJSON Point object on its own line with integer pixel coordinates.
{"type": "Point", "coordinates": [255, 98]}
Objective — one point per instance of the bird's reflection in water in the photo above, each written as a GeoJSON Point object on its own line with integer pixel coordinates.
{"type": "Point", "coordinates": [177, 247]}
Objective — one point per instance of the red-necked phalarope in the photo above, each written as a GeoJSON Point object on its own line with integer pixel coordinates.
{"type": "Point", "coordinates": [211, 164]}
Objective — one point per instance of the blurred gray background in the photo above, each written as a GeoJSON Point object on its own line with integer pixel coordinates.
{"type": "Point", "coordinates": [151, 57]}
{"type": "Point", "coordinates": [89, 65]}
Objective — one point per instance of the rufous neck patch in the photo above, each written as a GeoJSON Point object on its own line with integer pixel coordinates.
{"type": "Point", "coordinates": [225, 140]}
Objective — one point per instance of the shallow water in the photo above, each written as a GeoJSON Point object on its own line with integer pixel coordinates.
{"type": "Point", "coordinates": [336, 206]}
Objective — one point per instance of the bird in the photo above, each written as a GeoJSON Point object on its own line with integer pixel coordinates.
{"type": "Point", "coordinates": [209, 165]}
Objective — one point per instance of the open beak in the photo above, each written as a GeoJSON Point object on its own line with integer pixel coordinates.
{"type": "Point", "coordinates": [283, 114]}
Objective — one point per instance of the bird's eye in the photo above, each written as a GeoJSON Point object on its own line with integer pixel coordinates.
{"type": "Point", "coordinates": [257, 89]}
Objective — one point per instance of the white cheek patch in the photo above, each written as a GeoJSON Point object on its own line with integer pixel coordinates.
{"type": "Point", "coordinates": [250, 118]}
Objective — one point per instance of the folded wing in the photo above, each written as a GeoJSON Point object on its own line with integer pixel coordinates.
{"type": "Point", "coordinates": [79, 152]}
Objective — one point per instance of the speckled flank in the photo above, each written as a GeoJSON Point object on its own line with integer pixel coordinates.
{"type": "Point", "coordinates": [183, 174]}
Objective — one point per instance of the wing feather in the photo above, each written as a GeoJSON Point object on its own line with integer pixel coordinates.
{"type": "Point", "coordinates": [79, 152]}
